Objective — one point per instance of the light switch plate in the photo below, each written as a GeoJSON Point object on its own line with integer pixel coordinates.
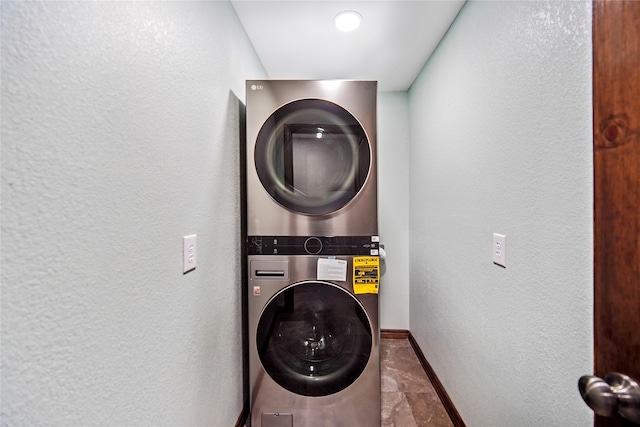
{"type": "Point", "coordinates": [189, 253]}
{"type": "Point", "coordinates": [500, 249]}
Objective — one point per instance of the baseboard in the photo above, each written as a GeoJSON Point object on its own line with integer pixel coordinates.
{"type": "Point", "coordinates": [456, 419]}
{"type": "Point", "coordinates": [394, 334]}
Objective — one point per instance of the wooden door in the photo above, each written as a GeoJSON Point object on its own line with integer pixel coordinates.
{"type": "Point", "coordinates": [616, 126]}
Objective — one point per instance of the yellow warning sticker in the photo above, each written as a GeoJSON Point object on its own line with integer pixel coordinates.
{"type": "Point", "coordinates": [366, 274]}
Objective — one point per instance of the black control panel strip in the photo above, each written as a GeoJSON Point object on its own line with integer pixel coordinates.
{"type": "Point", "coordinates": [313, 245]}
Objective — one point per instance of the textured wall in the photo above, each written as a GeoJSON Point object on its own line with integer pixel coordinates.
{"type": "Point", "coordinates": [120, 126]}
{"type": "Point", "coordinates": [501, 142]}
{"type": "Point", "coordinates": [393, 209]}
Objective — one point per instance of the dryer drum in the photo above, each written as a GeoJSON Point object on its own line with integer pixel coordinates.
{"type": "Point", "coordinates": [314, 338]}
{"type": "Point", "coordinates": [312, 156]}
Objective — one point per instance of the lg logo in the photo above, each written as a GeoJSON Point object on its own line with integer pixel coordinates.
{"type": "Point", "coordinates": [257, 87]}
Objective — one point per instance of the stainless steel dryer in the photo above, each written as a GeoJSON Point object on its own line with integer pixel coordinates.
{"type": "Point", "coordinates": [311, 158]}
{"type": "Point", "coordinates": [313, 344]}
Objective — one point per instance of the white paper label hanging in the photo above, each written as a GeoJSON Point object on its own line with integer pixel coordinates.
{"type": "Point", "coordinates": [332, 269]}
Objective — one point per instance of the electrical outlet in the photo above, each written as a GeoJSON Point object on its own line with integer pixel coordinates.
{"type": "Point", "coordinates": [499, 249]}
{"type": "Point", "coordinates": [189, 253]}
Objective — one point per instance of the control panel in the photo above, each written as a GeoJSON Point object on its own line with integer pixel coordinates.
{"type": "Point", "coordinates": [313, 245]}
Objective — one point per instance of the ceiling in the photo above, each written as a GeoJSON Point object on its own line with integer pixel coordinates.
{"type": "Point", "coordinates": [297, 39]}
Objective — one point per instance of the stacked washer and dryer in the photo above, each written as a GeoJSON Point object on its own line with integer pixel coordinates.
{"type": "Point", "coordinates": [311, 213]}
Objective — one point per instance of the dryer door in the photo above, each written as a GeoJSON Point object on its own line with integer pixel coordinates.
{"type": "Point", "coordinates": [314, 338]}
{"type": "Point", "coordinates": [312, 156]}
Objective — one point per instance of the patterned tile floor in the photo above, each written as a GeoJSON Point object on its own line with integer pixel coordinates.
{"type": "Point", "coordinates": [408, 398]}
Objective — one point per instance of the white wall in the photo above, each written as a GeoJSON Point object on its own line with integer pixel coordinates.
{"type": "Point", "coordinates": [393, 209]}
{"type": "Point", "coordinates": [501, 142]}
{"type": "Point", "coordinates": [120, 134]}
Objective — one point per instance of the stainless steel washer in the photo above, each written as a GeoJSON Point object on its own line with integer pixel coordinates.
{"type": "Point", "coordinates": [311, 158]}
{"type": "Point", "coordinates": [313, 346]}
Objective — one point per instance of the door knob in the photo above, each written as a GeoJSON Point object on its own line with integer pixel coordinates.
{"type": "Point", "coordinates": [616, 394]}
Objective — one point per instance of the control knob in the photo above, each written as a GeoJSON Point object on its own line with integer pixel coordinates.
{"type": "Point", "coordinates": [313, 245]}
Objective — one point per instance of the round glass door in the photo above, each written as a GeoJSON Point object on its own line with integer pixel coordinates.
{"type": "Point", "coordinates": [314, 338]}
{"type": "Point", "coordinates": [312, 156]}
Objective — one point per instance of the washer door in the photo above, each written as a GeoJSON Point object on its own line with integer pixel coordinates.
{"type": "Point", "coordinates": [314, 338]}
{"type": "Point", "coordinates": [312, 156]}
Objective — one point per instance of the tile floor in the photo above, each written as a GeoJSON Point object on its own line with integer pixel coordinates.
{"type": "Point", "coordinates": [408, 398]}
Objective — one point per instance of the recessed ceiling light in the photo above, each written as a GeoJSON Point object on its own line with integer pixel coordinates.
{"type": "Point", "coordinates": [347, 20]}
